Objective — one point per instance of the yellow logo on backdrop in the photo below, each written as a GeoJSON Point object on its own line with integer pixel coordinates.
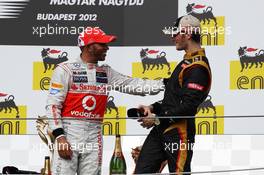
{"type": "Point", "coordinates": [248, 73]}
{"type": "Point", "coordinates": [42, 71]}
{"type": "Point", "coordinates": [137, 71]}
{"type": "Point", "coordinates": [153, 65]}
{"type": "Point", "coordinates": [210, 125]}
{"type": "Point", "coordinates": [213, 35]}
{"type": "Point", "coordinates": [41, 80]}
{"type": "Point", "coordinates": [12, 126]}
{"type": "Point", "coordinates": [114, 121]}
{"type": "Point", "coordinates": [212, 27]}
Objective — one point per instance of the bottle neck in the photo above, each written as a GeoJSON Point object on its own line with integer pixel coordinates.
{"type": "Point", "coordinates": [47, 167]}
{"type": "Point", "coordinates": [118, 149]}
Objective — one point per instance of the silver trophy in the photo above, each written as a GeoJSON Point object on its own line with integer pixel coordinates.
{"type": "Point", "coordinates": [45, 132]}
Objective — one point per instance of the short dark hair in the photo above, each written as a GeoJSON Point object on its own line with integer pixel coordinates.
{"type": "Point", "coordinates": [196, 37]}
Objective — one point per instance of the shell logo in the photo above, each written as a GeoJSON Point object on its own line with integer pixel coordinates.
{"type": "Point", "coordinates": [89, 103]}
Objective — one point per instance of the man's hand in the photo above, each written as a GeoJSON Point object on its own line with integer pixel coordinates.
{"type": "Point", "coordinates": [135, 153]}
{"type": "Point", "coordinates": [146, 110]}
{"type": "Point", "coordinates": [64, 148]}
{"type": "Point", "coordinates": [149, 120]}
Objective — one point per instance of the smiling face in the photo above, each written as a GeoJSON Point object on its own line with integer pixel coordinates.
{"type": "Point", "coordinates": [97, 51]}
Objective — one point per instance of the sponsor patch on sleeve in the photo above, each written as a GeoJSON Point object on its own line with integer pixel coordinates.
{"type": "Point", "coordinates": [54, 91]}
{"type": "Point", "coordinates": [56, 85]}
{"type": "Point", "coordinates": [195, 86]}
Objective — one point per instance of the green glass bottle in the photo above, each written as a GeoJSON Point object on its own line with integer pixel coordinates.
{"type": "Point", "coordinates": [118, 163]}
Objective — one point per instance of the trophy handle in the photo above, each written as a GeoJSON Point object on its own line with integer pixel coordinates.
{"type": "Point", "coordinates": [45, 132]}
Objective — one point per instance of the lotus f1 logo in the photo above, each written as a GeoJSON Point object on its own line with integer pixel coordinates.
{"type": "Point", "coordinates": [89, 103]}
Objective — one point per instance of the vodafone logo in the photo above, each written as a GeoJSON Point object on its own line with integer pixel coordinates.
{"type": "Point", "coordinates": [89, 103]}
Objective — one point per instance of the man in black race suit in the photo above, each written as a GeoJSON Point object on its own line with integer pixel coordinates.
{"type": "Point", "coordinates": [171, 139]}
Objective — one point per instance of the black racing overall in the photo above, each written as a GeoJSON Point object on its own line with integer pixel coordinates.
{"type": "Point", "coordinates": [172, 139]}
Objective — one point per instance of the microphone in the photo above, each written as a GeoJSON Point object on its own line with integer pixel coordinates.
{"type": "Point", "coordinates": [135, 113]}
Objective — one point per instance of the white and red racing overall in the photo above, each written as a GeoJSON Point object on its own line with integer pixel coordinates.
{"type": "Point", "coordinates": [79, 90]}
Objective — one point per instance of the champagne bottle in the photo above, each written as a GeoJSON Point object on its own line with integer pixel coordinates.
{"type": "Point", "coordinates": [46, 170]}
{"type": "Point", "coordinates": [118, 163]}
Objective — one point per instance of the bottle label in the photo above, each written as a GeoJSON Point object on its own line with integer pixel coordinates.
{"type": "Point", "coordinates": [118, 154]}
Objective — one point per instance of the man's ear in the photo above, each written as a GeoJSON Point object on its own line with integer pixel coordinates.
{"type": "Point", "coordinates": [88, 48]}
{"type": "Point", "coordinates": [189, 36]}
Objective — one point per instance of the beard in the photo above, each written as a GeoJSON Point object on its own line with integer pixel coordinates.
{"type": "Point", "coordinates": [179, 47]}
{"type": "Point", "coordinates": [99, 54]}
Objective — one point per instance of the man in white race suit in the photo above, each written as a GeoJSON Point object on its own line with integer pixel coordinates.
{"type": "Point", "coordinates": [77, 101]}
